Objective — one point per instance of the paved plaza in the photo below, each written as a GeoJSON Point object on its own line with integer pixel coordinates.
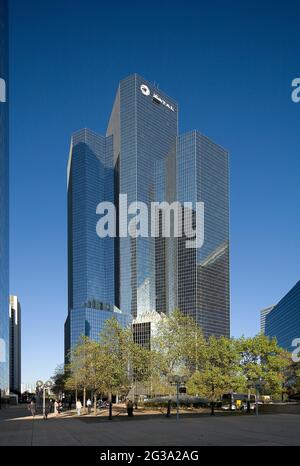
{"type": "Point", "coordinates": [17, 428]}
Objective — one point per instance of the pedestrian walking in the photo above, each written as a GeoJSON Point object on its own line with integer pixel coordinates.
{"type": "Point", "coordinates": [56, 408]}
{"type": "Point", "coordinates": [78, 407]}
{"type": "Point", "coordinates": [32, 408]}
{"type": "Point", "coordinates": [169, 408]}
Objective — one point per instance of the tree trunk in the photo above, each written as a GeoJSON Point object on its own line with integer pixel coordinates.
{"type": "Point", "coordinates": [110, 406]}
{"type": "Point", "coordinates": [213, 401]}
{"type": "Point", "coordinates": [84, 401]}
{"type": "Point", "coordinates": [95, 404]}
{"type": "Point", "coordinates": [249, 402]}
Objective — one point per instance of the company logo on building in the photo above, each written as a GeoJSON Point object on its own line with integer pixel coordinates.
{"type": "Point", "coordinates": [156, 98]}
{"type": "Point", "coordinates": [145, 90]}
{"type": "Point", "coordinates": [2, 90]}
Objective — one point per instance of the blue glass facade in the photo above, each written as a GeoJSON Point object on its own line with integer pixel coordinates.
{"type": "Point", "coordinates": [263, 316]}
{"type": "Point", "coordinates": [4, 201]}
{"type": "Point", "coordinates": [91, 275]}
{"type": "Point", "coordinates": [90, 323]}
{"type": "Point", "coordinates": [144, 158]}
{"type": "Point", "coordinates": [144, 125]}
{"type": "Point", "coordinates": [283, 322]}
{"type": "Point", "coordinates": [202, 274]}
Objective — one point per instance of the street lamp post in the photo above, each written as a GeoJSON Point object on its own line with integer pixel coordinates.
{"type": "Point", "coordinates": [178, 381]}
{"type": "Point", "coordinates": [44, 386]}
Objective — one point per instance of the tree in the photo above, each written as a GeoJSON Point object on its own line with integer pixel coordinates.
{"type": "Point", "coordinates": [109, 366]}
{"type": "Point", "coordinates": [59, 380]}
{"type": "Point", "coordinates": [80, 367]}
{"type": "Point", "coordinates": [219, 373]}
{"type": "Point", "coordinates": [292, 380]}
{"type": "Point", "coordinates": [263, 363]}
{"type": "Point", "coordinates": [178, 346]}
{"type": "Point", "coordinates": [126, 361]}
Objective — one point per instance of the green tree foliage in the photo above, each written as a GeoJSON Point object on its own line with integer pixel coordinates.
{"type": "Point", "coordinates": [110, 366]}
{"type": "Point", "coordinates": [59, 380]}
{"type": "Point", "coordinates": [214, 366]}
{"type": "Point", "coordinates": [219, 373]}
{"type": "Point", "coordinates": [178, 346]}
{"type": "Point", "coordinates": [264, 363]}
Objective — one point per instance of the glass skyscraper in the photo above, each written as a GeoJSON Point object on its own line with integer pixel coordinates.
{"type": "Point", "coordinates": [4, 201]}
{"type": "Point", "coordinates": [144, 125]}
{"type": "Point", "coordinates": [283, 322]}
{"type": "Point", "coordinates": [202, 274]}
{"type": "Point", "coordinates": [91, 275]}
{"type": "Point", "coordinates": [144, 158]}
{"type": "Point", "coordinates": [263, 316]}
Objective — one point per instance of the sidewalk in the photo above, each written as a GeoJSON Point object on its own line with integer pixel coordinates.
{"type": "Point", "coordinates": [17, 428]}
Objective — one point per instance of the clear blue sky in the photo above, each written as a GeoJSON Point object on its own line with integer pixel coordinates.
{"type": "Point", "coordinates": [228, 63]}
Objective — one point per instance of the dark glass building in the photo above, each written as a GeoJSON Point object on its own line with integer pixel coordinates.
{"type": "Point", "coordinates": [91, 279]}
{"type": "Point", "coordinates": [4, 201]}
{"type": "Point", "coordinates": [283, 322]}
{"type": "Point", "coordinates": [15, 345]}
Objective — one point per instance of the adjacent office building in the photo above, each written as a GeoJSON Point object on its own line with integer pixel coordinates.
{"type": "Point", "coordinates": [4, 201]}
{"type": "Point", "coordinates": [15, 345]}
{"type": "Point", "coordinates": [263, 316]}
{"type": "Point", "coordinates": [202, 274]}
{"type": "Point", "coordinates": [91, 273]}
{"type": "Point", "coordinates": [283, 322]}
{"type": "Point", "coordinates": [144, 157]}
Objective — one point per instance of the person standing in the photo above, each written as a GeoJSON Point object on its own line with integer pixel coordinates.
{"type": "Point", "coordinates": [89, 405]}
{"type": "Point", "coordinates": [50, 406]}
{"type": "Point", "coordinates": [56, 408]}
{"type": "Point", "coordinates": [129, 408]}
{"type": "Point", "coordinates": [78, 407]}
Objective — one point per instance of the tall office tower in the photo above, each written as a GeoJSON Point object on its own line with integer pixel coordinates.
{"type": "Point", "coordinates": [144, 125]}
{"type": "Point", "coordinates": [91, 282]}
{"type": "Point", "coordinates": [263, 316]}
{"type": "Point", "coordinates": [4, 201]}
{"type": "Point", "coordinates": [283, 322]}
{"type": "Point", "coordinates": [144, 160]}
{"type": "Point", "coordinates": [15, 345]}
{"type": "Point", "coordinates": [200, 175]}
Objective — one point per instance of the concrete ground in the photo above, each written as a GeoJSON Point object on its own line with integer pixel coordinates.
{"type": "Point", "coordinates": [17, 428]}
